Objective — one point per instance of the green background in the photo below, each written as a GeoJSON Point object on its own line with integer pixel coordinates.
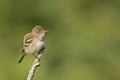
{"type": "Point", "coordinates": [83, 42]}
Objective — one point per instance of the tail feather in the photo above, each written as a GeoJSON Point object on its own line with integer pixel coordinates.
{"type": "Point", "coordinates": [23, 55]}
{"type": "Point", "coordinates": [20, 60]}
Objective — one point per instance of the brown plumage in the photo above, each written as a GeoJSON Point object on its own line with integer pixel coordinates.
{"type": "Point", "coordinates": [33, 41]}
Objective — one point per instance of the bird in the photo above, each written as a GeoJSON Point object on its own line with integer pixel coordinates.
{"type": "Point", "coordinates": [33, 42]}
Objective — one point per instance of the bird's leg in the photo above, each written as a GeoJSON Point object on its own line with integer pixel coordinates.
{"type": "Point", "coordinates": [41, 50]}
{"type": "Point", "coordinates": [34, 55]}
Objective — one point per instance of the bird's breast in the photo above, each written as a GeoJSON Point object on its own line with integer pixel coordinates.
{"type": "Point", "coordinates": [34, 47]}
{"type": "Point", "coordinates": [38, 45]}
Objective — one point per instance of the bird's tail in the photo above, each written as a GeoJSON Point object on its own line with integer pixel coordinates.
{"type": "Point", "coordinates": [23, 55]}
{"type": "Point", "coordinates": [21, 58]}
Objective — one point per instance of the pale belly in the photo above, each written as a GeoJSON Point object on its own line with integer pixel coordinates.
{"type": "Point", "coordinates": [35, 47]}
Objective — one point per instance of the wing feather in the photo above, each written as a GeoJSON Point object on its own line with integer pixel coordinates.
{"type": "Point", "coordinates": [28, 39]}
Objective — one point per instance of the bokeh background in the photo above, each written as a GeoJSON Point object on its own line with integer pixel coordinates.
{"type": "Point", "coordinates": [83, 42]}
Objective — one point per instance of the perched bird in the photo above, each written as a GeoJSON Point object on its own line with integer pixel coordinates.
{"type": "Point", "coordinates": [33, 41]}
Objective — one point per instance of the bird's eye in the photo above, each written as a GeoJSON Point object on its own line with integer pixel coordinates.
{"type": "Point", "coordinates": [39, 29]}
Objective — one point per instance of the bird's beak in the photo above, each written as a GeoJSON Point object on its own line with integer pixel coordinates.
{"type": "Point", "coordinates": [46, 30]}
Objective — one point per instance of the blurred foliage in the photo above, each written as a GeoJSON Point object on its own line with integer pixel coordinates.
{"type": "Point", "coordinates": [83, 42]}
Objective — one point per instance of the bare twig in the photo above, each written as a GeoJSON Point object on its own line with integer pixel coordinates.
{"type": "Point", "coordinates": [35, 64]}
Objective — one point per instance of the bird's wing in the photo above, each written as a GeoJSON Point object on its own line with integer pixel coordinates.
{"type": "Point", "coordinates": [28, 39]}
